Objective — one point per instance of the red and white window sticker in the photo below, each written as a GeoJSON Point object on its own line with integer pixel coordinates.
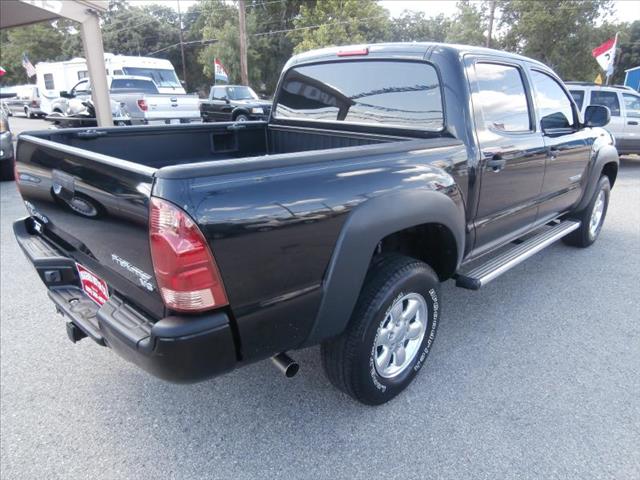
{"type": "Point", "coordinates": [95, 288]}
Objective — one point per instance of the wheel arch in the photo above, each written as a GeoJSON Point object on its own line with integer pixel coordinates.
{"type": "Point", "coordinates": [391, 219]}
{"type": "Point", "coordinates": [240, 111]}
{"type": "Point", "coordinates": [606, 162]}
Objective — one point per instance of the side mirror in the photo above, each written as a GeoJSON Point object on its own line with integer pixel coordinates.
{"type": "Point", "coordinates": [226, 99]}
{"type": "Point", "coordinates": [596, 116]}
{"type": "Point", "coordinates": [65, 94]}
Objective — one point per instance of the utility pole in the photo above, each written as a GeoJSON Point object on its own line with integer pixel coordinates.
{"type": "Point", "coordinates": [244, 74]}
{"type": "Point", "coordinates": [184, 65]}
{"type": "Point", "coordinates": [492, 12]}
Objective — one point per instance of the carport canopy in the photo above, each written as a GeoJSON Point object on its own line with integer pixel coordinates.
{"type": "Point", "coordinates": [14, 13]}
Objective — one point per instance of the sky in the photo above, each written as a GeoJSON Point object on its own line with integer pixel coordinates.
{"type": "Point", "coordinates": [626, 10]}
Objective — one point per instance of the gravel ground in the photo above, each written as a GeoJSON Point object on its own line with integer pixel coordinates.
{"type": "Point", "coordinates": [535, 376]}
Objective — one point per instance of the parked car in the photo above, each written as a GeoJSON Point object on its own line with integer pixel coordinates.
{"type": "Point", "coordinates": [139, 97]}
{"type": "Point", "coordinates": [234, 103]}
{"type": "Point", "coordinates": [23, 99]}
{"type": "Point", "coordinates": [383, 171]}
{"type": "Point", "coordinates": [6, 148]}
{"type": "Point", "coordinates": [624, 105]}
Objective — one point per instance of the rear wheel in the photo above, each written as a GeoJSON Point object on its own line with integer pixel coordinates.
{"type": "Point", "coordinates": [390, 333]}
{"type": "Point", "coordinates": [592, 217]}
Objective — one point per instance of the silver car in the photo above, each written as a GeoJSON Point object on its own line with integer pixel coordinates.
{"type": "Point", "coordinates": [22, 99]}
{"type": "Point", "coordinates": [624, 104]}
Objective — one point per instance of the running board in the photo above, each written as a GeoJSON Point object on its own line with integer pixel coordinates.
{"type": "Point", "coordinates": [494, 267]}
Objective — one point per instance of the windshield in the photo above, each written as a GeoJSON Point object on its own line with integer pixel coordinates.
{"type": "Point", "coordinates": [163, 78]}
{"type": "Point", "coordinates": [241, 93]}
{"type": "Point", "coordinates": [144, 86]}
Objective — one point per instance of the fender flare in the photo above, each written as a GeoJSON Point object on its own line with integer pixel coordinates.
{"type": "Point", "coordinates": [604, 155]}
{"type": "Point", "coordinates": [366, 225]}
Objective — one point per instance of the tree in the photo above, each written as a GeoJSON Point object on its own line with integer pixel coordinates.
{"type": "Point", "coordinates": [417, 27]}
{"type": "Point", "coordinates": [628, 55]}
{"type": "Point", "coordinates": [469, 24]}
{"type": "Point", "coordinates": [41, 42]}
{"type": "Point", "coordinates": [339, 22]}
{"type": "Point", "coordinates": [560, 34]}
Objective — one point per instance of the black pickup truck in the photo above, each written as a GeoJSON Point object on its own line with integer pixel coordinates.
{"type": "Point", "coordinates": [233, 103]}
{"type": "Point", "coordinates": [383, 170]}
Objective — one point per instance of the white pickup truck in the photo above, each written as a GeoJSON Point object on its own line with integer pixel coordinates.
{"type": "Point", "coordinates": [138, 96]}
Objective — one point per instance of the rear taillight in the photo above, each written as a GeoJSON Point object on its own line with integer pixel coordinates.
{"type": "Point", "coordinates": [142, 105]}
{"type": "Point", "coordinates": [185, 269]}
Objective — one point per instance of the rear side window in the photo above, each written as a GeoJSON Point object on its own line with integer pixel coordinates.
{"type": "Point", "coordinates": [552, 102]}
{"type": "Point", "coordinates": [48, 81]}
{"type": "Point", "coordinates": [578, 97]}
{"type": "Point", "coordinates": [375, 92]}
{"type": "Point", "coordinates": [606, 99]}
{"type": "Point", "coordinates": [501, 98]}
{"type": "Point", "coordinates": [631, 105]}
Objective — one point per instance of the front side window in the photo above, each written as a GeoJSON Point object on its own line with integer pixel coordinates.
{"type": "Point", "coordinates": [578, 97]}
{"type": "Point", "coordinates": [606, 99]}
{"type": "Point", "coordinates": [631, 105]}
{"type": "Point", "coordinates": [373, 92]}
{"type": "Point", "coordinates": [48, 81]}
{"type": "Point", "coordinates": [81, 87]}
{"type": "Point", "coordinates": [501, 97]}
{"type": "Point", "coordinates": [553, 104]}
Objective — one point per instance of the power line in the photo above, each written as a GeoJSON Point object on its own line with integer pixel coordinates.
{"type": "Point", "coordinates": [337, 22]}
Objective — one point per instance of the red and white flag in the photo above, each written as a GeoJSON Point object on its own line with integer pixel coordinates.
{"type": "Point", "coordinates": [605, 54]}
{"type": "Point", "coordinates": [220, 72]}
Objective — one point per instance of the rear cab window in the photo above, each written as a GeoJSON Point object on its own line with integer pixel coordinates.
{"type": "Point", "coordinates": [399, 94]}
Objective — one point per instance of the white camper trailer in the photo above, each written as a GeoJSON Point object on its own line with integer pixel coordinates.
{"type": "Point", "coordinates": [53, 77]}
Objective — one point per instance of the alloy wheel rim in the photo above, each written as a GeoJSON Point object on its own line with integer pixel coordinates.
{"type": "Point", "coordinates": [596, 214]}
{"type": "Point", "coordinates": [400, 335]}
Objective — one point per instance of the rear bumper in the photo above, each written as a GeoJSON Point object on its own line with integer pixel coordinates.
{"type": "Point", "coordinates": [181, 349]}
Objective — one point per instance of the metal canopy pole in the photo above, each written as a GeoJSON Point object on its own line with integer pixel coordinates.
{"type": "Point", "coordinates": [94, 52]}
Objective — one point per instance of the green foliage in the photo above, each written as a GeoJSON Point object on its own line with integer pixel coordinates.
{"type": "Point", "coordinates": [417, 27]}
{"type": "Point", "coordinates": [340, 22]}
{"type": "Point", "coordinates": [41, 42]}
{"type": "Point", "coordinates": [560, 34]}
{"type": "Point", "coordinates": [629, 52]}
{"type": "Point", "coordinates": [469, 24]}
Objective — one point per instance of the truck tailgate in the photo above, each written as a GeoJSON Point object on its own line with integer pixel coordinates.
{"type": "Point", "coordinates": [94, 209]}
{"type": "Point", "coordinates": [161, 107]}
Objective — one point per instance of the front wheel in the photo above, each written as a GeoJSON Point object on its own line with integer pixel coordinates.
{"type": "Point", "coordinates": [390, 333]}
{"type": "Point", "coordinates": [242, 118]}
{"type": "Point", "coordinates": [592, 217]}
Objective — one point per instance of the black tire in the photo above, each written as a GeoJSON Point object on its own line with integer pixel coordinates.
{"type": "Point", "coordinates": [6, 169]}
{"type": "Point", "coordinates": [584, 236]}
{"type": "Point", "coordinates": [349, 359]}
{"type": "Point", "coordinates": [241, 118]}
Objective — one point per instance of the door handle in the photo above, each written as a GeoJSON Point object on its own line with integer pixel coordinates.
{"type": "Point", "coordinates": [632, 122]}
{"type": "Point", "coordinates": [496, 163]}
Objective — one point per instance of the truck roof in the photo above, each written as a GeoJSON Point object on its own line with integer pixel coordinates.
{"type": "Point", "coordinates": [400, 49]}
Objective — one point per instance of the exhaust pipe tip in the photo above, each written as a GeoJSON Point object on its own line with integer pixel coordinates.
{"type": "Point", "coordinates": [286, 364]}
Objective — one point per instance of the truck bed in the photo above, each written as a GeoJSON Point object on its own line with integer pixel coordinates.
{"type": "Point", "coordinates": [190, 144]}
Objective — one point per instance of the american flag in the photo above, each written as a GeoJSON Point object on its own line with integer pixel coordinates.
{"type": "Point", "coordinates": [28, 66]}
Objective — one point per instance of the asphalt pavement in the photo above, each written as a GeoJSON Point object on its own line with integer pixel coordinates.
{"type": "Point", "coordinates": [535, 376]}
